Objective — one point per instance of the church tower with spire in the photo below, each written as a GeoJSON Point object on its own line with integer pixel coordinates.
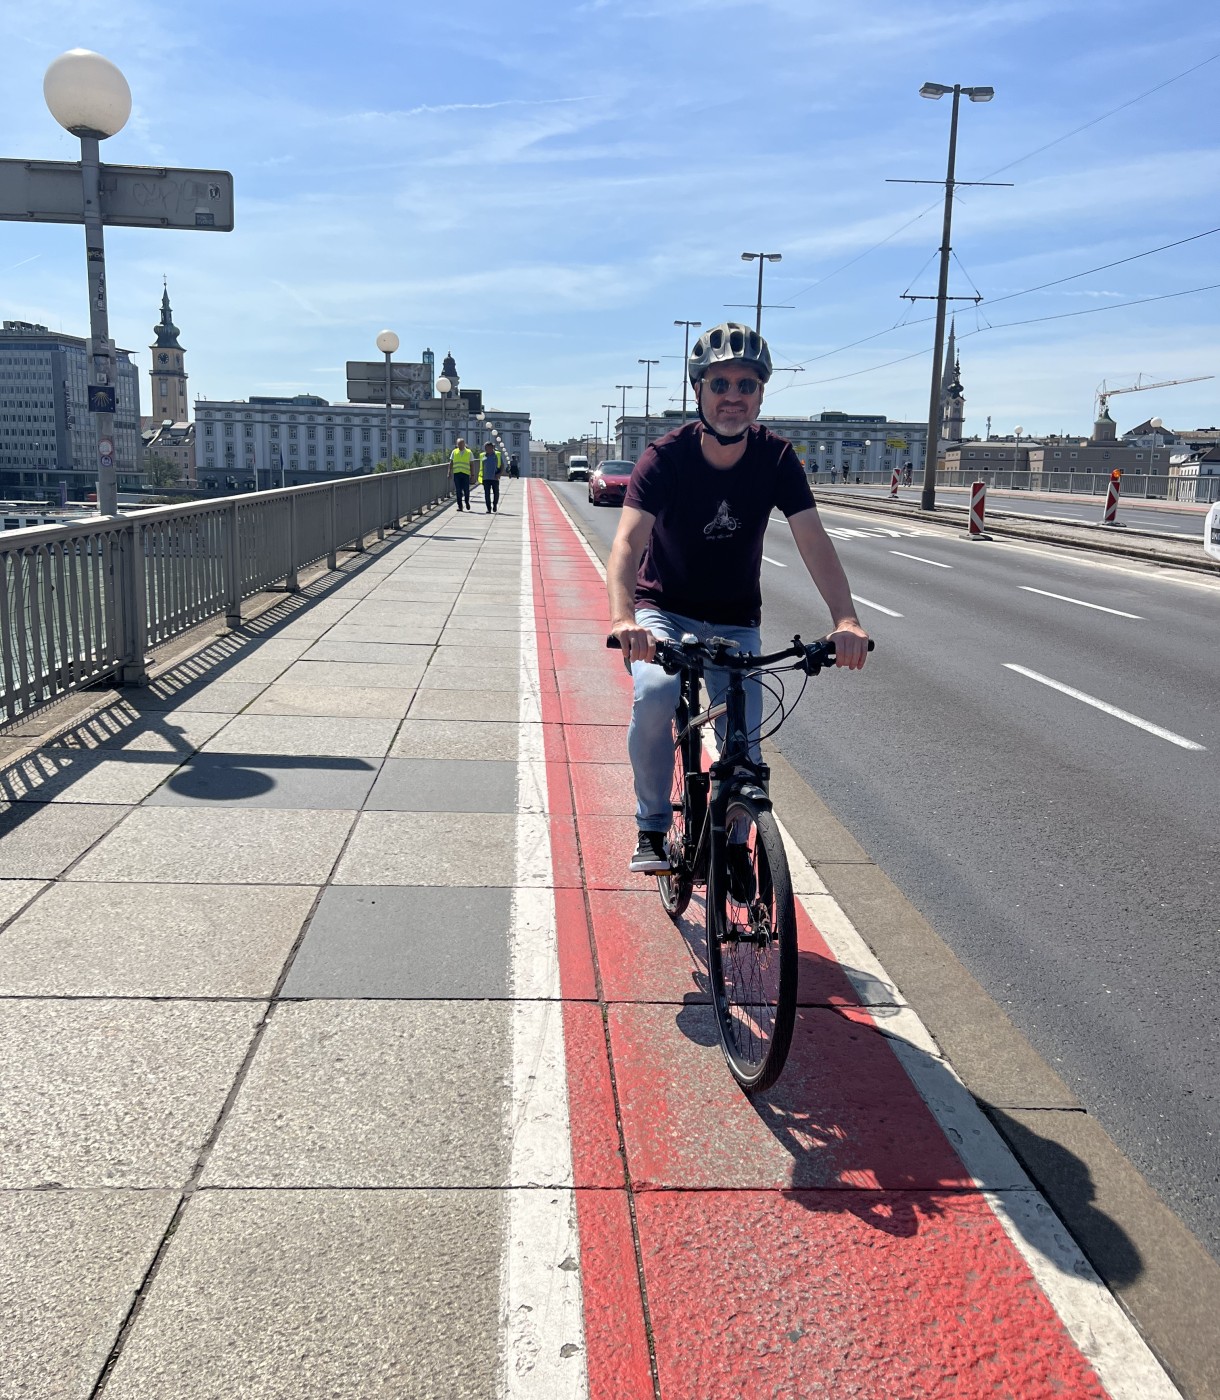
{"type": "Point", "coordinates": [952, 396]}
{"type": "Point", "coordinates": [166, 372]}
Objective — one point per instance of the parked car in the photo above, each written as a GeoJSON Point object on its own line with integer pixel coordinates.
{"type": "Point", "coordinates": [578, 469]}
{"type": "Point", "coordinates": [608, 484]}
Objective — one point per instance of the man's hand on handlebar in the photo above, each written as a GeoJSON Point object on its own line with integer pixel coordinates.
{"type": "Point", "coordinates": [637, 642]}
{"type": "Point", "coordinates": [850, 643]}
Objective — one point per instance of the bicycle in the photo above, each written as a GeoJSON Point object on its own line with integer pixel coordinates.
{"type": "Point", "coordinates": [750, 913]}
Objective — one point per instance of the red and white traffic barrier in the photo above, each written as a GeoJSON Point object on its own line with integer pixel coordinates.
{"type": "Point", "coordinates": [894, 485]}
{"type": "Point", "coordinates": [1110, 517]}
{"type": "Point", "coordinates": [978, 501]}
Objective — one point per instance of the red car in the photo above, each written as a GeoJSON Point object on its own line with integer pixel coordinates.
{"type": "Point", "coordinates": [608, 484]}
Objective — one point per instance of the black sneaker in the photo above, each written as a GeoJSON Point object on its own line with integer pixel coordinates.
{"type": "Point", "coordinates": [742, 885]}
{"type": "Point", "coordinates": [649, 857]}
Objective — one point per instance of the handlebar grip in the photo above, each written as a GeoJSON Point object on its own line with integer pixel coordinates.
{"type": "Point", "coordinates": [614, 644]}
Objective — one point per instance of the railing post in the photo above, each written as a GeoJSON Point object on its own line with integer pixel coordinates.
{"type": "Point", "coordinates": [380, 507]}
{"type": "Point", "coordinates": [135, 638]}
{"type": "Point", "coordinates": [332, 555]}
{"type": "Point", "coordinates": [232, 568]}
{"type": "Point", "coordinates": [359, 545]}
{"type": "Point", "coordinates": [292, 582]}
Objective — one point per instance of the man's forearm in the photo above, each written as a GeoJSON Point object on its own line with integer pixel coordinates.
{"type": "Point", "coordinates": [620, 583]}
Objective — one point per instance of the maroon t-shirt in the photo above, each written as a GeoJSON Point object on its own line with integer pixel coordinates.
{"type": "Point", "coordinates": [704, 557]}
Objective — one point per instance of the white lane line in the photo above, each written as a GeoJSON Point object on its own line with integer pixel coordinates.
{"type": "Point", "coordinates": [889, 612]}
{"type": "Point", "coordinates": [541, 1296]}
{"type": "Point", "coordinates": [1080, 603]}
{"type": "Point", "coordinates": [1108, 709]}
{"type": "Point", "coordinates": [776, 562]}
{"type": "Point", "coordinates": [919, 559]}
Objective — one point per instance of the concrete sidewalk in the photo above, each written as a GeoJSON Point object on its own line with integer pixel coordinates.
{"type": "Point", "coordinates": [343, 1057]}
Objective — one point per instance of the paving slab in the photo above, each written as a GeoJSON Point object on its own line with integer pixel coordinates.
{"type": "Point", "coordinates": [304, 736]}
{"type": "Point", "coordinates": [39, 841]}
{"type": "Point", "coordinates": [123, 777]}
{"type": "Point", "coordinates": [70, 1265]}
{"type": "Point", "coordinates": [114, 1093]}
{"type": "Point", "coordinates": [123, 727]}
{"type": "Point", "coordinates": [324, 1295]}
{"type": "Point", "coordinates": [462, 656]}
{"type": "Point", "coordinates": [445, 785]}
{"type": "Point", "coordinates": [430, 848]}
{"type": "Point", "coordinates": [372, 1094]}
{"type": "Point", "coordinates": [385, 653]}
{"type": "Point", "coordinates": [269, 780]}
{"type": "Point", "coordinates": [465, 704]}
{"type": "Point", "coordinates": [395, 941]}
{"type": "Point", "coordinates": [455, 738]}
{"type": "Point", "coordinates": [385, 634]}
{"type": "Point", "coordinates": [118, 940]}
{"type": "Point", "coordinates": [214, 697]}
{"type": "Point", "coordinates": [400, 675]}
{"type": "Point", "coordinates": [15, 893]}
{"type": "Point", "coordinates": [356, 702]}
{"type": "Point", "coordinates": [478, 681]}
{"type": "Point", "coordinates": [225, 846]}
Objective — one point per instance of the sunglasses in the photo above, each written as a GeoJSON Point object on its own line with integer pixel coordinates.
{"type": "Point", "coordinates": [720, 385]}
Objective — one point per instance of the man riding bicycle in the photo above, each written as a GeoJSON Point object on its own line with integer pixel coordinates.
{"type": "Point", "coordinates": [688, 557]}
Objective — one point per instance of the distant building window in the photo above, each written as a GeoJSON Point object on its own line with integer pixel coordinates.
{"type": "Point", "coordinates": [249, 430]}
{"type": "Point", "coordinates": [330, 434]}
{"type": "Point", "coordinates": [364, 435]}
{"type": "Point", "coordinates": [311, 433]}
{"type": "Point", "coordinates": [228, 430]}
{"type": "Point", "coordinates": [292, 434]}
{"type": "Point", "coordinates": [275, 432]}
{"type": "Point", "coordinates": [347, 435]}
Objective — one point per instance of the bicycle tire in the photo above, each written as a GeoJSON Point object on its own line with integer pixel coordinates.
{"type": "Point", "coordinates": [677, 885]}
{"type": "Point", "coordinates": [752, 953]}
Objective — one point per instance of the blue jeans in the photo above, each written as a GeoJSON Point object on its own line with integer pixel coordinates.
{"type": "Point", "coordinates": [650, 742]}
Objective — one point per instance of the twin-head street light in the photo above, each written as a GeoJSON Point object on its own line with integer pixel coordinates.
{"type": "Point", "coordinates": [609, 407]}
{"type": "Point", "coordinates": [623, 414]}
{"type": "Point", "coordinates": [686, 359]}
{"type": "Point", "coordinates": [387, 343]}
{"type": "Point", "coordinates": [648, 364]}
{"type": "Point", "coordinates": [762, 258]}
{"type": "Point", "coordinates": [935, 91]}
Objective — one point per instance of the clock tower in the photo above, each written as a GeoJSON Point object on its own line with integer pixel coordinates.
{"type": "Point", "coordinates": [167, 374]}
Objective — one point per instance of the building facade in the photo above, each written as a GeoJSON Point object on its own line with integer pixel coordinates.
{"type": "Point", "coordinates": [847, 442]}
{"type": "Point", "coordinates": [48, 442]}
{"type": "Point", "coordinates": [260, 443]}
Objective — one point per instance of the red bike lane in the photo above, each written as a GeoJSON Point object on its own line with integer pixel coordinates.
{"type": "Point", "coordinates": [823, 1239]}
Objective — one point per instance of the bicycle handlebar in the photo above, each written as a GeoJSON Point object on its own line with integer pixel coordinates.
{"type": "Point", "coordinates": [676, 656]}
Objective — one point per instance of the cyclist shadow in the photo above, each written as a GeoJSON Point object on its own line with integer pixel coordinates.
{"type": "Point", "coordinates": [876, 1124]}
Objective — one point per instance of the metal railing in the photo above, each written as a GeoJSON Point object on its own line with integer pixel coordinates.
{"type": "Point", "coordinates": [85, 601]}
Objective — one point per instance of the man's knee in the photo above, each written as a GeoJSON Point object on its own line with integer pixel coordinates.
{"type": "Point", "coordinates": [656, 694]}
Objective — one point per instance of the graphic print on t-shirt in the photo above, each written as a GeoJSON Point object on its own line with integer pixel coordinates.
{"type": "Point", "coordinates": [721, 527]}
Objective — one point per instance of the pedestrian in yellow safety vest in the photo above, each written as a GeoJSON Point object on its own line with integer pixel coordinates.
{"type": "Point", "coordinates": [461, 459]}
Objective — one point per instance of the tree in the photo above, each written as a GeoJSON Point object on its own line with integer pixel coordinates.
{"type": "Point", "coordinates": [161, 471]}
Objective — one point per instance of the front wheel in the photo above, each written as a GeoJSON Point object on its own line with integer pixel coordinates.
{"type": "Point", "coordinates": [751, 946]}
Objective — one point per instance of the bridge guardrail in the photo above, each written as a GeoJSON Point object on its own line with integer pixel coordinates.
{"type": "Point", "coordinates": [85, 601]}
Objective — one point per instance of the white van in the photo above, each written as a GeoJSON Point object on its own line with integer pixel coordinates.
{"type": "Point", "coordinates": [578, 468]}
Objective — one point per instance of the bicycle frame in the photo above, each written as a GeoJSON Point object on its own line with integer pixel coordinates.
{"type": "Point", "coordinates": [733, 772]}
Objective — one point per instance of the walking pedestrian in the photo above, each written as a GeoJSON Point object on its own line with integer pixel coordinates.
{"type": "Point", "coordinates": [461, 459]}
{"type": "Point", "coordinates": [490, 477]}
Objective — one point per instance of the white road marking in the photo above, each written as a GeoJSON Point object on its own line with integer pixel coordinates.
{"type": "Point", "coordinates": [541, 1297]}
{"type": "Point", "coordinates": [1080, 603]}
{"type": "Point", "coordinates": [919, 559]}
{"type": "Point", "coordinates": [1107, 708]}
{"type": "Point", "coordinates": [776, 562]}
{"type": "Point", "coordinates": [889, 612]}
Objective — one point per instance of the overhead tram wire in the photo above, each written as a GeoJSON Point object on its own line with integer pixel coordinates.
{"type": "Point", "coordinates": [1010, 296]}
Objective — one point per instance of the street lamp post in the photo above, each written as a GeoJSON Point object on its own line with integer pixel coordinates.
{"type": "Point", "coordinates": [648, 364]}
{"type": "Point", "coordinates": [1156, 424]}
{"type": "Point", "coordinates": [609, 407]}
{"type": "Point", "coordinates": [596, 425]}
{"type": "Point", "coordinates": [686, 354]}
{"type": "Point", "coordinates": [387, 343]}
{"type": "Point", "coordinates": [762, 257]}
{"type": "Point", "coordinates": [443, 386]}
{"type": "Point", "coordinates": [88, 95]}
{"type": "Point", "coordinates": [623, 416]}
{"type": "Point", "coordinates": [1017, 431]}
{"type": "Point", "coordinates": [935, 91]}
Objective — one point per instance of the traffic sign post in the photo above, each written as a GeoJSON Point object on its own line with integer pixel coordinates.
{"type": "Point", "coordinates": [128, 196]}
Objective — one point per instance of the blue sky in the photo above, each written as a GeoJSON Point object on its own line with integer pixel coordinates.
{"type": "Point", "coordinates": [544, 188]}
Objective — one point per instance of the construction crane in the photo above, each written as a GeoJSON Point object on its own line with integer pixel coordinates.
{"type": "Point", "coordinates": [1104, 394]}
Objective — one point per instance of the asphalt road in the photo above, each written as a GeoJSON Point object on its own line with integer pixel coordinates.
{"type": "Point", "coordinates": [1069, 857]}
{"type": "Point", "coordinates": [1184, 522]}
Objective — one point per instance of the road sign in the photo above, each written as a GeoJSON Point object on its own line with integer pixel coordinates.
{"type": "Point", "coordinates": [106, 446]}
{"type": "Point", "coordinates": [105, 459]}
{"type": "Point", "coordinates": [409, 382]}
{"type": "Point", "coordinates": [132, 196]}
{"type": "Point", "coordinates": [1211, 531]}
{"type": "Point", "coordinates": [101, 398]}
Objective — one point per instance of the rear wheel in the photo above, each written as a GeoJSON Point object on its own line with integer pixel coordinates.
{"type": "Point", "coordinates": [676, 886]}
{"type": "Point", "coordinates": [751, 948]}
